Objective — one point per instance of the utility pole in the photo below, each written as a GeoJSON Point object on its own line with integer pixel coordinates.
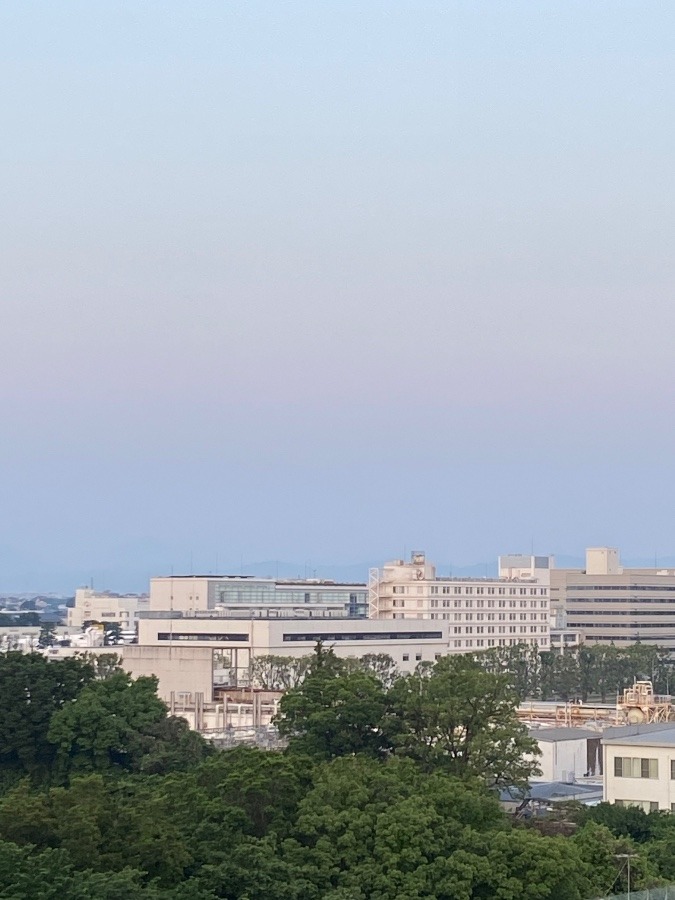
{"type": "Point", "coordinates": [627, 857]}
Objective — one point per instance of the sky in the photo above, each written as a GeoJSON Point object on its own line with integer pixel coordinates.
{"type": "Point", "coordinates": [323, 282]}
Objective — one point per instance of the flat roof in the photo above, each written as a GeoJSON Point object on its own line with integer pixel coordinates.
{"type": "Point", "coordinates": [300, 582]}
{"type": "Point", "coordinates": [656, 734]}
{"type": "Point", "coordinates": [552, 791]}
{"type": "Point", "coordinates": [562, 734]}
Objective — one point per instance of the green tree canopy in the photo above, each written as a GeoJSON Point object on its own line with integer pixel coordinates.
{"type": "Point", "coordinates": [462, 719]}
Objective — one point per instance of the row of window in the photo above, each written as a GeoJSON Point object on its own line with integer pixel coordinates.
{"type": "Point", "coordinates": [199, 636]}
{"type": "Point", "coordinates": [625, 612]}
{"type": "Point", "coordinates": [627, 624]}
{"type": "Point", "coordinates": [455, 589]}
{"type": "Point", "coordinates": [646, 805]}
{"type": "Point", "coordinates": [643, 601]}
{"type": "Point", "coordinates": [620, 587]}
{"type": "Point", "coordinates": [637, 767]}
{"type": "Point", "coordinates": [492, 642]}
{"type": "Point", "coordinates": [501, 629]}
{"type": "Point", "coordinates": [367, 636]}
{"type": "Point", "coordinates": [472, 604]}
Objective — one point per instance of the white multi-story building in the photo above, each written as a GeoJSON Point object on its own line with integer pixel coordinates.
{"type": "Point", "coordinates": [480, 612]}
{"type": "Point", "coordinates": [612, 604]}
{"type": "Point", "coordinates": [106, 607]}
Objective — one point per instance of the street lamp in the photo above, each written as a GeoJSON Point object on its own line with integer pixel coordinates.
{"type": "Point", "coordinates": [627, 857]}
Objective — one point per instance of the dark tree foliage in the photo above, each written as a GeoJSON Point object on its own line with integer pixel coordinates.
{"type": "Point", "coordinates": [383, 794]}
{"type": "Point", "coordinates": [32, 690]}
{"type": "Point", "coordinates": [587, 673]}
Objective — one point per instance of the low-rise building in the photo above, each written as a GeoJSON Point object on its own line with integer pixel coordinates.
{"type": "Point", "coordinates": [106, 607]}
{"type": "Point", "coordinates": [236, 641]}
{"type": "Point", "coordinates": [567, 754]}
{"type": "Point", "coordinates": [639, 766]}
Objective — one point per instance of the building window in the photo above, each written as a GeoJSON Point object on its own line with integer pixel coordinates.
{"type": "Point", "coordinates": [406, 657]}
{"type": "Point", "coordinates": [672, 769]}
{"type": "Point", "coordinates": [635, 767]}
{"type": "Point", "coordinates": [418, 656]}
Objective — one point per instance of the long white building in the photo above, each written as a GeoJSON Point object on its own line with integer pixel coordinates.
{"type": "Point", "coordinates": [612, 604]}
{"type": "Point", "coordinates": [480, 612]}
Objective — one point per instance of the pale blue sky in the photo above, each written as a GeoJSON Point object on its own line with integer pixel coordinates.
{"type": "Point", "coordinates": [318, 281]}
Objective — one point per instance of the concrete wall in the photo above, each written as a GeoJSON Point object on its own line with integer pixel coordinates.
{"type": "Point", "coordinates": [179, 669]}
{"type": "Point", "coordinates": [179, 593]}
{"type": "Point", "coordinates": [562, 760]}
{"type": "Point", "coordinates": [640, 791]}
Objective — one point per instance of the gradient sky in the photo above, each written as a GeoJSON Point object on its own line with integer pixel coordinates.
{"type": "Point", "coordinates": [321, 281]}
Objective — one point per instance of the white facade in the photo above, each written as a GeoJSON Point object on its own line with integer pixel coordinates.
{"type": "Point", "coordinates": [602, 561]}
{"type": "Point", "coordinates": [236, 641]}
{"type": "Point", "coordinates": [518, 566]}
{"type": "Point", "coordinates": [609, 603]}
{"type": "Point", "coordinates": [479, 612]}
{"type": "Point", "coordinates": [565, 753]}
{"type": "Point", "coordinates": [104, 606]}
{"type": "Point", "coordinates": [639, 766]}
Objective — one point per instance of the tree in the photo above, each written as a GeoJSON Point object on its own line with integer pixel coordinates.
{"type": "Point", "coordinates": [462, 719]}
{"type": "Point", "coordinates": [388, 830]}
{"type": "Point", "coordinates": [382, 666]}
{"type": "Point", "coordinates": [332, 713]}
{"type": "Point", "coordinates": [278, 673]}
{"type": "Point", "coordinates": [112, 634]}
{"type": "Point", "coordinates": [117, 724]}
{"type": "Point", "coordinates": [604, 855]}
{"type": "Point", "coordinates": [32, 689]}
{"type": "Point", "coordinates": [47, 636]}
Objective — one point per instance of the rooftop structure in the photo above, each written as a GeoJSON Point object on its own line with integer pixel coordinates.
{"type": "Point", "coordinates": [246, 594]}
{"type": "Point", "coordinates": [483, 612]}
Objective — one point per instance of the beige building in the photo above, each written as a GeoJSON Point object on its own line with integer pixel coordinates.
{"type": "Point", "coordinates": [235, 642]}
{"type": "Point", "coordinates": [104, 606]}
{"type": "Point", "coordinates": [608, 603]}
{"type": "Point", "coordinates": [244, 595]}
{"type": "Point", "coordinates": [479, 612]}
{"type": "Point", "coordinates": [639, 766]}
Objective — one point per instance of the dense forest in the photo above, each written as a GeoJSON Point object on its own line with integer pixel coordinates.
{"type": "Point", "coordinates": [387, 791]}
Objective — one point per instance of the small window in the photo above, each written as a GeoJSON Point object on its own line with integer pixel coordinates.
{"type": "Point", "coordinates": [406, 657]}
{"type": "Point", "coordinates": [418, 656]}
{"type": "Point", "coordinates": [653, 806]}
{"type": "Point", "coordinates": [437, 656]}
